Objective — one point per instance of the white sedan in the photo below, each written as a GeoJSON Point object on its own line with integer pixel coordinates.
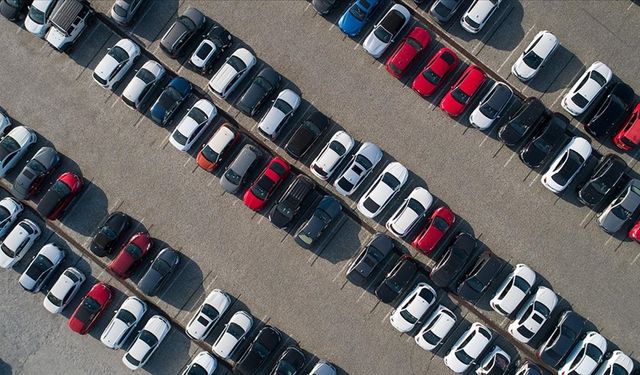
{"type": "Point", "coordinates": [413, 307]}
{"type": "Point", "coordinates": [513, 290]}
{"type": "Point", "coordinates": [532, 316]}
{"type": "Point", "coordinates": [9, 211]}
{"type": "Point", "coordinates": [566, 165]}
{"type": "Point", "coordinates": [585, 90]}
{"type": "Point", "coordinates": [146, 343]}
{"type": "Point", "coordinates": [436, 328]}
{"type": "Point", "coordinates": [232, 72]}
{"type": "Point", "coordinates": [618, 364]}
{"type": "Point", "coordinates": [410, 212]}
{"type": "Point", "coordinates": [280, 112]}
{"type": "Point", "coordinates": [202, 364]}
{"type": "Point", "coordinates": [331, 155]}
{"type": "Point", "coordinates": [18, 242]}
{"type": "Point", "coordinates": [468, 347]}
{"type": "Point", "coordinates": [385, 31]}
{"type": "Point", "coordinates": [193, 125]}
{"type": "Point", "coordinates": [123, 322]}
{"type": "Point", "coordinates": [13, 146]}
{"type": "Point", "coordinates": [41, 268]}
{"type": "Point", "coordinates": [234, 332]}
{"type": "Point", "coordinates": [141, 85]}
{"type": "Point", "coordinates": [63, 290]}
{"type": "Point", "coordinates": [362, 163]}
{"type": "Point", "coordinates": [535, 55]}
{"type": "Point", "coordinates": [477, 15]}
{"type": "Point", "coordinates": [383, 189]}
{"type": "Point", "coordinates": [585, 356]}
{"type": "Point", "coordinates": [213, 307]}
{"type": "Point", "coordinates": [116, 63]}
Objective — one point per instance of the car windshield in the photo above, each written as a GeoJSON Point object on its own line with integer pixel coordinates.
{"type": "Point", "coordinates": [172, 95]}
{"type": "Point", "coordinates": [429, 337]}
{"type": "Point", "coordinates": [145, 76]}
{"type": "Point", "coordinates": [579, 100]}
{"type": "Point", "coordinates": [337, 147]}
{"type": "Point", "coordinates": [621, 212]}
{"type": "Point", "coordinates": [148, 338]}
{"type": "Point", "coordinates": [180, 138]}
{"type": "Point", "coordinates": [198, 115]}
{"type": "Point", "coordinates": [204, 50]}
{"type": "Point", "coordinates": [618, 370]}
{"type": "Point", "coordinates": [363, 162]}
{"type": "Point", "coordinates": [54, 300]}
{"type": "Point", "coordinates": [209, 154]}
{"type": "Point", "coordinates": [9, 144]}
{"type": "Point", "coordinates": [459, 95]}
{"type": "Point", "coordinates": [133, 250]}
{"type": "Point", "coordinates": [371, 205]}
{"type": "Point", "coordinates": [430, 76]}
{"type": "Point", "coordinates": [489, 111]}
{"type": "Point", "coordinates": [232, 176]}
{"type": "Point", "coordinates": [210, 312]}
{"type": "Point", "coordinates": [382, 34]}
{"type": "Point", "coordinates": [109, 233]}
{"type": "Point", "coordinates": [261, 349]}
{"type": "Point", "coordinates": [283, 106]}
{"type": "Point", "coordinates": [599, 78]}
{"type": "Point", "coordinates": [161, 266]}
{"type": "Point", "coordinates": [188, 23]}
{"type": "Point", "coordinates": [196, 369]}
{"type": "Point", "coordinates": [118, 54]}
{"type": "Point", "coordinates": [357, 13]}
{"type": "Point", "coordinates": [474, 284]}
{"type": "Point", "coordinates": [416, 206]}
{"type": "Point", "coordinates": [266, 85]}
{"type": "Point", "coordinates": [285, 368]}
{"type": "Point", "coordinates": [414, 43]}
{"type": "Point", "coordinates": [390, 180]}
{"type": "Point", "coordinates": [36, 166]}
{"type": "Point", "coordinates": [126, 317]}
{"type": "Point", "coordinates": [235, 330]}
{"type": "Point", "coordinates": [593, 352]}
{"type": "Point", "coordinates": [441, 9]}
{"type": "Point", "coordinates": [532, 60]}
{"type": "Point", "coordinates": [10, 253]}
{"type": "Point", "coordinates": [571, 165]}
{"type": "Point", "coordinates": [119, 10]}
{"type": "Point", "coordinates": [440, 223]}
{"type": "Point", "coordinates": [262, 187]}
{"type": "Point", "coordinates": [468, 20]}
{"type": "Point", "coordinates": [236, 63]}
{"type": "Point", "coordinates": [463, 357]}
{"type": "Point", "coordinates": [521, 284]}
{"type": "Point", "coordinates": [90, 305]}
{"type": "Point", "coordinates": [541, 308]}
{"type": "Point", "coordinates": [61, 188]}
{"type": "Point", "coordinates": [132, 360]}
{"type": "Point", "coordinates": [345, 184]}
{"type": "Point", "coordinates": [524, 331]}
{"type": "Point", "coordinates": [37, 15]}
{"type": "Point", "coordinates": [39, 265]}
{"type": "Point", "coordinates": [408, 317]}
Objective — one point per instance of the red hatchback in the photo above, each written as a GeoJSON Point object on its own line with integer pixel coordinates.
{"type": "Point", "coordinates": [409, 48]}
{"type": "Point", "coordinates": [629, 136]}
{"type": "Point", "coordinates": [434, 73]}
{"type": "Point", "coordinates": [91, 308]}
{"type": "Point", "coordinates": [59, 195]}
{"type": "Point", "coordinates": [634, 232]}
{"type": "Point", "coordinates": [135, 249]}
{"type": "Point", "coordinates": [456, 100]}
{"type": "Point", "coordinates": [276, 171]}
{"type": "Point", "coordinates": [439, 223]}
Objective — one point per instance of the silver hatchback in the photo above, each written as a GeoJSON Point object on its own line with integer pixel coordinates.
{"type": "Point", "coordinates": [621, 209]}
{"type": "Point", "coordinates": [237, 170]}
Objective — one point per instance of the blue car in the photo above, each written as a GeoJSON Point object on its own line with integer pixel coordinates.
{"type": "Point", "coordinates": [356, 16]}
{"type": "Point", "coordinates": [169, 100]}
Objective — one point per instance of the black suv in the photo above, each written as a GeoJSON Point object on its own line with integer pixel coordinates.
{"type": "Point", "coordinates": [612, 112]}
{"type": "Point", "coordinates": [605, 177]}
{"type": "Point", "coordinates": [261, 349]}
{"type": "Point", "coordinates": [454, 261]}
{"type": "Point", "coordinates": [283, 212]}
{"type": "Point", "coordinates": [306, 134]}
{"type": "Point", "coordinates": [479, 277]}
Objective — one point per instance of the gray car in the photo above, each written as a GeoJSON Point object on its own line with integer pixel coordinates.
{"type": "Point", "coordinates": [36, 172]}
{"type": "Point", "coordinates": [123, 11]}
{"type": "Point", "coordinates": [237, 170]}
{"type": "Point", "coordinates": [159, 272]}
{"type": "Point", "coordinates": [183, 29]}
{"type": "Point", "coordinates": [620, 210]}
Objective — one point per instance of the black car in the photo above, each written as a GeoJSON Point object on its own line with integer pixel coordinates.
{"type": "Point", "coordinates": [327, 211]}
{"type": "Point", "coordinates": [398, 279]}
{"type": "Point", "coordinates": [562, 339]}
{"type": "Point", "coordinates": [291, 362]}
{"type": "Point", "coordinates": [531, 114]}
{"type": "Point", "coordinates": [369, 258]}
{"type": "Point", "coordinates": [443, 10]}
{"type": "Point", "coordinates": [214, 42]}
{"type": "Point", "coordinates": [181, 31]}
{"type": "Point", "coordinates": [530, 368]}
{"type": "Point", "coordinates": [287, 207]}
{"type": "Point", "coordinates": [323, 6]}
{"type": "Point", "coordinates": [479, 277]}
{"type": "Point", "coordinates": [448, 269]}
{"type": "Point", "coordinates": [261, 349]}
{"type": "Point", "coordinates": [545, 141]}
{"type": "Point", "coordinates": [35, 172]}
{"type": "Point", "coordinates": [306, 134]}
{"type": "Point", "coordinates": [265, 83]}
{"type": "Point", "coordinates": [611, 112]}
{"type": "Point", "coordinates": [109, 232]}
{"type": "Point", "coordinates": [13, 8]}
{"type": "Point", "coordinates": [159, 272]}
{"type": "Point", "coordinates": [609, 172]}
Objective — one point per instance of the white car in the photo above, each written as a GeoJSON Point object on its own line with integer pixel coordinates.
{"type": "Point", "coordinates": [413, 307]}
{"type": "Point", "coordinates": [147, 341]}
{"type": "Point", "coordinates": [18, 242]}
{"type": "Point", "coordinates": [385, 31]}
{"type": "Point", "coordinates": [515, 287]}
{"type": "Point", "coordinates": [233, 333]}
{"type": "Point", "coordinates": [585, 355]}
{"type": "Point", "coordinates": [193, 125]}
{"type": "Point", "coordinates": [585, 90]}
{"type": "Point", "coordinates": [9, 211]}
{"type": "Point", "coordinates": [142, 84]}
{"type": "Point", "coordinates": [5, 121]}
{"type": "Point", "coordinates": [116, 63]}
{"type": "Point", "coordinates": [203, 364]}
{"type": "Point", "coordinates": [232, 72]}
{"type": "Point", "coordinates": [477, 15]}
{"type": "Point", "coordinates": [533, 314]}
{"type": "Point", "coordinates": [361, 164]}
{"type": "Point", "coordinates": [618, 364]}
{"type": "Point", "coordinates": [566, 165]}
{"type": "Point", "coordinates": [383, 189]}
{"type": "Point", "coordinates": [280, 112]}
{"type": "Point", "coordinates": [491, 107]}
{"type": "Point", "coordinates": [323, 368]}
{"type": "Point", "coordinates": [41, 268]}
{"type": "Point", "coordinates": [535, 55]}
{"type": "Point", "coordinates": [37, 20]}
{"type": "Point", "coordinates": [436, 328]}
{"type": "Point", "coordinates": [331, 155]}
{"type": "Point", "coordinates": [213, 307]}
{"type": "Point", "coordinates": [63, 290]}
{"type": "Point", "coordinates": [123, 322]}
{"type": "Point", "coordinates": [410, 212]}
{"type": "Point", "coordinates": [13, 146]}
{"type": "Point", "coordinates": [468, 348]}
{"type": "Point", "coordinates": [495, 362]}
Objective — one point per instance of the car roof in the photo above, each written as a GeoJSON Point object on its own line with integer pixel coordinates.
{"type": "Point", "coordinates": [66, 13]}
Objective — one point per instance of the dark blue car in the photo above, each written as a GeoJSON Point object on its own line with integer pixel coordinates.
{"type": "Point", "coordinates": [325, 213]}
{"type": "Point", "coordinates": [169, 100]}
{"type": "Point", "coordinates": [356, 16]}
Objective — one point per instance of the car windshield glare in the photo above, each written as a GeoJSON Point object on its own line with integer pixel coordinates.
{"type": "Point", "coordinates": [236, 63]}
{"type": "Point", "coordinates": [118, 54]}
{"type": "Point", "coordinates": [459, 95]}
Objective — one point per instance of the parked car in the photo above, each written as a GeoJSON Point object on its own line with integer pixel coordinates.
{"type": "Point", "coordinates": [41, 268]}
{"type": "Point", "coordinates": [202, 364]}
{"type": "Point", "coordinates": [233, 333]}
{"type": "Point", "coordinates": [628, 137]}
{"type": "Point", "coordinates": [217, 147]}
{"type": "Point", "coordinates": [323, 6]}
{"type": "Point", "coordinates": [213, 44]}
{"type": "Point", "coordinates": [545, 141]}
{"type": "Point", "coordinates": [234, 176]}
{"type": "Point", "coordinates": [435, 72]}
{"type": "Point", "coordinates": [477, 15]}
{"type": "Point", "coordinates": [123, 11]}
{"type": "Point", "coordinates": [13, 9]}
{"type": "Point", "coordinates": [443, 10]}
{"type": "Point", "coordinates": [398, 279]}
{"type": "Point", "coordinates": [410, 212]}
{"type": "Point", "coordinates": [612, 111]}
{"type": "Point", "coordinates": [533, 314]}
{"type": "Point", "coordinates": [170, 99]}
{"type": "Point", "coordinates": [323, 368]}
{"type": "Point", "coordinates": [468, 348]}
{"type": "Point", "coordinates": [259, 352]}
{"type": "Point", "coordinates": [37, 20]}
{"type": "Point", "coordinates": [562, 339]}
{"type": "Point", "coordinates": [209, 313]}
{"type": "Point", "coordinates": [535, 56]}
{"type": "Point", "coordinates": [325, 213]}
{"type": "Point", "coordinates": [142, 84]}
{"type": "Point", "coordinates": [271, 177]}
{"type": "Point", "coordinates": [619, 212]}
{"type": "Point", "coordinates": [386, 30]}
{"type": "Point", "coordinates": [68, 20]}
{"type": "Point", "coordinates": [146, 343]}
{"type": "Point", "coordinates": [369, 259]}
{"type": "Point", "coordinates": [289, 204]}
{"type": "Point", "coordinates": [291, 362]}
{"type": "Point", "coordinates": [566, 165]}
{"type": "Point", "coordinates": [585, 90]}
{"type": "Point", "coordinates": [194, 123]}
{"type": "Point", "coordinates": [529, 117]}
{"type": "Point", "coordinates": [479, 277]}
{"type": "Point", "coordinates": [63, 290]}
{"type": "Point", "coordinates": [497, 361]}
{"type": "Point", "coordinates": [183, 29]}
{"type": "Point", "coordinates": [109, 232]}
{"type": "Point", "coordinates": [265, 84]}
{"type": "Point", "coordinates": [492, 106]}
{"type": "Point", "coordinates": [383, 189]}
{"type": "Point", "coordinates": [634, 232]}
{"type": "Point", "coordinates": [585, 356]}
{"type": "Point", "coordinates": [331, 155]}
{"type": "Point", "coordinates": [35, 172]}
{"type": "Point", "coordinates": [456, 100]}
{"type": "Point", "coordinates": [360, 166]}
{"type": "Point", "coordinates": [123, 323]}
{"type": "Point", "coordinates": [306, 135]}
{"type": "Point", "coordinates": [441, 220]}
{"type": "Point", "coordinates": [231, 73]}
{"type": "Point", "coordinates": [9, 211]}
{"type": "Point", "coordinates": [5, 121]}
{"type": "Point", "coordinates": [355, 17]}
{"type": "Point", "coordinates": [130, 255]}
{"type": "Point", "coordinates": [513, 290]}
{"type": "Point", "coordinates": [449, 268]}
{"type": "Point", "coordinates": [56, 200]}
{"type": "Point", "coordinates": [617, 363]}
{"type": "Point", "coordinates": [13, 146]}
{"type": "Point", "coordinates": [436, 328]}
{"type": "Point", "coordinates": [116, 63]}
{"type": "Point", "coordinates": [18, 242]}
{"type": "Point", "coordinates": [91, 308]}
{"type": "Point", "coordinates": [159, 272]}
{"type": "Point", "coordinates": [409, 48]}
{"type": "Point", "coordinates": [280, 112]}
{"type": "Point", "coordinates": [609, 172]}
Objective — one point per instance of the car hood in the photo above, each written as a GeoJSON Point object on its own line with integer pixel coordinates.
{"type": "Point", "coordinates": [373, 45]}
{"type": "Point", "coordinates": [106, 66]}
{"type": "Point", "coordinates": [349, 24]}
{"type": "Point", "coordinates": [405, 221]}
{"type": "Point", "coordinates": [479, 120]}
{"type": "Point", "coordinates": [222, 77]}
{"type": "Point", "coordinates": [523, 70]}
{"type": "Point", "coordinates": [225, 345]}
{"type": "Point", "coordinates": [404, 56]}
{"type": "Point", "coordinates": [22, 135]}
{"type": "Point", "coordinates": [271, 120]}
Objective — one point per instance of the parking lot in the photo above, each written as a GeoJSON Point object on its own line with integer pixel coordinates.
{"type": "Point", "coordinates": [131, 168]}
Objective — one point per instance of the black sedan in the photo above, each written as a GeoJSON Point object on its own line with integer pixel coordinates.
{"type": "Point", "coordinates": [326, 212]}
{"type": "Point", "coordinates": [265, 83]}
{"type": "Point", "coordinates": [261, 349]}
{"type": "Point", "coordinates": [545, 142]}
{"type": "Point", "coordinates": [398, 279]}
{"type": "Point", "coordinates": [289, 204]}
{"type": "Point", "coordinates": [306, 134]}
{"type": "Point", "coordinates": [563, 338]}
{"type": "Point", "coordinates": [612, 112]}
{"type": "Point", "coordinates": [181, 31]}
{"type": "Point", "coordinates": [108, 233]}
{"type": "Point", "coordinates": [159, 272]}
{"type": "Point", "coordinates": [531, 114]}
{"type": "Point", "coordinates": [479, 277]}
{"type": "Point", "coordinates": [37, 170]}
{"type": "Point", "coordinates": [609, 173]}
{"type": "Point", "coordinates": [448, 269]}
{"type": "Point", "coordinates": [369, 258]}
{"type": "Point", "coordinates": [443, 10]}
{"type": "Point", "coordinates": [291, 362]}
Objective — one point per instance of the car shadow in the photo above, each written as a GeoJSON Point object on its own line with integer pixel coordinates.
{"type": "Point", "coordinates": [183, 294]}
{"type": "Point", "coordinates": [163, 13]}
{"type": "Point", "coordinates": [511, 26]}
{"type": "Point", "coordinates": [95, 205]}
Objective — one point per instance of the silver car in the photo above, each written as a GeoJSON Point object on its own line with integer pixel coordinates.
{"type": "Point", "coordinates": [621, 209]}
{"type": "Point", "coordinates": [123, 11]}
{"type": "Point", "coordinates": [236, 171]}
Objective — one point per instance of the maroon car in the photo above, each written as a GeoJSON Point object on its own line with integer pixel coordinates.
{"type": "Point", "coordinates": [131, 253]}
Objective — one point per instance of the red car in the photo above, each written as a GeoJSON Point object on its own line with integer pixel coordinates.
{"type": "Point", "coordinates": [436, 227]}
{"type": "Point", "coordinates": [276, 171]}
{"type": "Point", "coordinates": [91, 308]}
{"type": "Point", "coordinates": [456, 100]}
{"type": "Point", "coordinates": [409, 48]}
{"type": "Point", "coordinates": [434, 73]}
{"type": "Point", "coordinates": [135, 249]}
{"type": "Point", "coordinates": [634, 232]}
{"type": "Point", "coordinates": [59, 195]}
{"type": "Point", "coordinates": [629, 136]}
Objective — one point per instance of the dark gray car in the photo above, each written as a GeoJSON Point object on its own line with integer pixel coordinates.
{"type": "Point", "coordinates": [325, 213]}
{"type": "Point", "coordinates": [159, 272]}
{"type": "Point", "coordinates": [622, 209]}
{"type": "Point", "coordinates": [265, 83]}
{"type": "Point", "coordinates": [236, 171]}
{"type": "Point", "coordinates": [369, 258]}
{"type": "Point", "coordinates": [443, 10]}
{"type": "Point", "coordinates": [183, 29]}
{"type": "Point", "coordinates": [41, 165]}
